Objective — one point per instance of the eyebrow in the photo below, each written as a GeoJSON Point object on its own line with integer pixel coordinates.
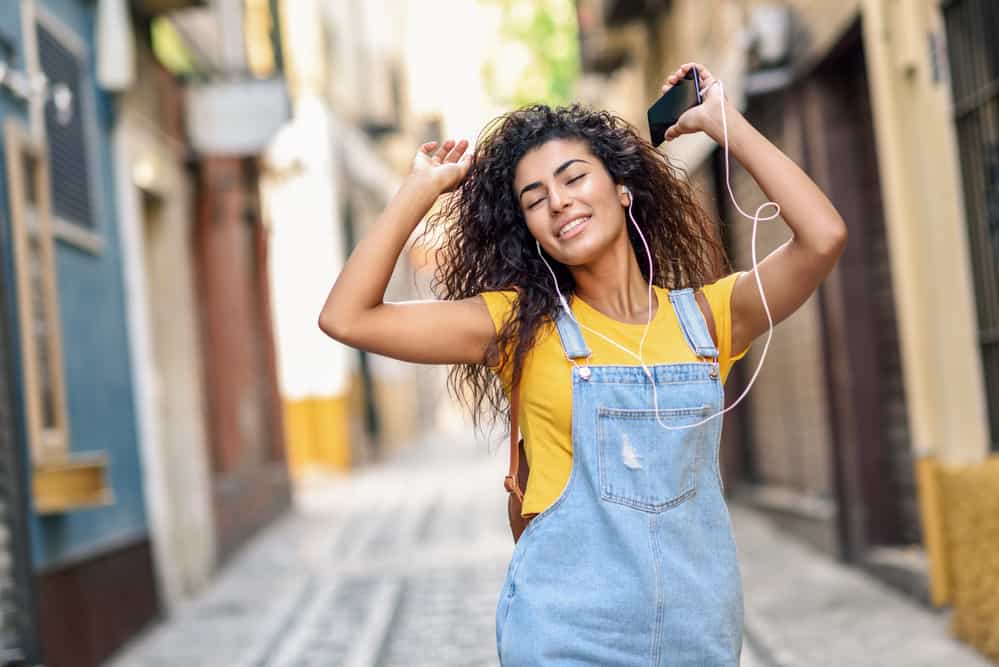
{"type": "Point", "coordinates": [563, 167]}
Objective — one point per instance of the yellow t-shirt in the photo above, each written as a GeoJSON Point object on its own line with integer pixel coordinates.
{"type": "Point", "coordinates": [546, 387]}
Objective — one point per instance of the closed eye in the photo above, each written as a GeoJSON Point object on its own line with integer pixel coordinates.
{"type": "Point", "coordinates": [571, 180]}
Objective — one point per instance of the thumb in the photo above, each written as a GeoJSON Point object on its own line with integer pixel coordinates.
{"type": "Point", "coordinates": [464, 166]}
{"type": "Point", "coordinates": [465, 163]}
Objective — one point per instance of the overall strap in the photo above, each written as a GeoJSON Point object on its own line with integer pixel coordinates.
{"type": "Point", "coordinates": [692, 323]}
{"type": "Point", "coordinates": [571, 336]}
{"type": "Point", "coordinates": [575, 347]}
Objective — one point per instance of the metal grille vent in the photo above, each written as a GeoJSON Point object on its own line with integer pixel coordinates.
{"type": "Point", "coordinates": [973, 45]}
{"type": "Point", "coordinates": [67, 144]}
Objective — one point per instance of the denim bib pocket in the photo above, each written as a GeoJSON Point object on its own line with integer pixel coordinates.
{"type": "Point", "coordinates": [643, 465]}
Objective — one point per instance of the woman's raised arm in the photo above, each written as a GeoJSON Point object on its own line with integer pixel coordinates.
{"type": "Point", "coordinates": [792, 272]}
{"type": "Point", "coordinates": [442, 332]}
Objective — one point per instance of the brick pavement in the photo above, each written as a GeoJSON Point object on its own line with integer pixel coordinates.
{"type": "Point", "coordinates": [401, 563]}
{"type": "Point", "coordinates": [803, 608]}
{"type": "Point", "coordinates": [396, 564]}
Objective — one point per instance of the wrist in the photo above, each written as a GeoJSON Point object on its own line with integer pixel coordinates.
{"type": "Point", "coordinates": [422, 187]}
{"type": "Point", "coordinates": [716, 126]}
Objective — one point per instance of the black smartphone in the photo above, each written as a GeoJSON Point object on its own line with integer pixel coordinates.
{"type": "Point", "coordinates": [668, 108]}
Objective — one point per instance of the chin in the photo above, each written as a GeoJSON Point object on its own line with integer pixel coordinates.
{"type": "Point", "coordinates": [582, 253]}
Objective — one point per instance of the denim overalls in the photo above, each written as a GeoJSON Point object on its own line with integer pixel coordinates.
{"type": "Point", "coordinates": [635, 562]}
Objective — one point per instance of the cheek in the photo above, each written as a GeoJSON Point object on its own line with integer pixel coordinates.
{"type": "Point", "coordinates": [537, 225]}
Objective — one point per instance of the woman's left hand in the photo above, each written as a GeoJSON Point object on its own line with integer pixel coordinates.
{"type": "Point", "coordinates": [705, 117]}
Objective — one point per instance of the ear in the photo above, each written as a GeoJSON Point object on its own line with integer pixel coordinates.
{"type": "Point", "coordinates": [624, 195]}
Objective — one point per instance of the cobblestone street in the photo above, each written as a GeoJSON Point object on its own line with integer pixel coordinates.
{"type": "Point", "coordinates": [401, 563]}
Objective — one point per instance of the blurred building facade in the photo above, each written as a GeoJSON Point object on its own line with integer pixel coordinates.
{"type": "Point", "coordinates": [879, 399]}
{"type": "Point", "coordinates": [19, 619]}
{"type": "Point", "coordinates": [140, 417]}
{"type": "Point", "coordinates": [330, 171]}
{"type": "Point", "coordinates": [73, 411]}
{"type": "Point", "coordinates": [231, 50]}
{"type": "Point", "coordinates": [155, 204]}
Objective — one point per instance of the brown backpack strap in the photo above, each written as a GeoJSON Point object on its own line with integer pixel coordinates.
{"type": "Point", "coordinates": [519, 471]}
{"type": "Point", "coordinates": [512, 481]}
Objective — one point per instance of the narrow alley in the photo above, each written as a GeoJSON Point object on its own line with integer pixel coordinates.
{"type": "Point", "coordinates": [400, 564]}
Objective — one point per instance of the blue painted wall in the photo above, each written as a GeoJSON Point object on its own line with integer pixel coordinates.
{"type": "Point", "coordinates": [94, 335]}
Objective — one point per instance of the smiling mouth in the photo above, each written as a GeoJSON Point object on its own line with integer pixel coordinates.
{"type": "Point", "coordinates": [573, 227]}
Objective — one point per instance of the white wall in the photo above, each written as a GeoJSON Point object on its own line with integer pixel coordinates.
{"type": "Point", "coordinates": [165, 355]}
{"type": "Point", "coordinates": [306, 252]}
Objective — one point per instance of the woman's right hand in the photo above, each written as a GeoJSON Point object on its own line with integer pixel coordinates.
{"type": "Point", "coordinates": [423, 331]}
{"type": "Point", "coordinates": [444, 167]}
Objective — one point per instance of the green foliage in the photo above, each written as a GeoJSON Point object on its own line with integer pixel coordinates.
{"type": "Point", "coordinates": [540, 43]}
{"type": "Point", "coordinates": [170, 49]}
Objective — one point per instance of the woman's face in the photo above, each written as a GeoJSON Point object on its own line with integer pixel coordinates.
{"type": "Point", "coordinates": [571, 203]}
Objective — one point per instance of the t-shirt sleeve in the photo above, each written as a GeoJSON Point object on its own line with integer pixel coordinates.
{"type": "Point", "coordinates": [719, 296]}
{"type": "Point", "coordinates": [499, 303]}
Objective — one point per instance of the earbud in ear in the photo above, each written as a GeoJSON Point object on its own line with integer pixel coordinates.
{"type": "Point", "coordinates": [625, 190]}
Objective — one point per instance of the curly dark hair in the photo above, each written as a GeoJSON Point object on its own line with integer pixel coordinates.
{"type": "Point", "coordinates": [487, 244]}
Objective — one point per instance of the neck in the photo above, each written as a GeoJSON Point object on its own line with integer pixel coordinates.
{"type": "Point", "coordinates": [615, 286]}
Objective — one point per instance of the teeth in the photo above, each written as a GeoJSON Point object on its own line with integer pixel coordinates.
{"type": "Point", "coordinates": [572, 225]}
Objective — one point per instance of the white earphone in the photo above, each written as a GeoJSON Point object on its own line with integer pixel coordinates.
{"type": "Point", "coordinates": [766, 307]}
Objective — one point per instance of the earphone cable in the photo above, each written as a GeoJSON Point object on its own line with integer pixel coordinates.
{"type": "Point", "coordinates": [766, 307]}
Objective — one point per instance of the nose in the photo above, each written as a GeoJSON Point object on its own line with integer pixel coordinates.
{"type": "Point", "coordinates": [558, 199]}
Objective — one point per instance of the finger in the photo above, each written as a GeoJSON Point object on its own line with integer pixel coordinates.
{"type": "Point", "coordinates": [672, 133]}
{"type": "Point", "coordinates": [456, 151]}
{"type": "Point", "coordinates": [677, 76]}
{"type": "Point", "coordinates": [671, 81]}
{"type": "Point", "coordinates": [705, 76]}
{"type": "Point", "coordinates": [443, 150]}
{"type": "Point", "coordinates": [702, 71]}
{"type": "Point", "coordinates": [428, 147]}
{"type": "Point", "coordinates": [465, 164]}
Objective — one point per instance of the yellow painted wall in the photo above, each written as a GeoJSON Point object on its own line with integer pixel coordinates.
{"type": "Point", "coordinates": [316, 433]}
{"type": "Point", "coordinates": [328, 433]}
{"type": "Point", "coordinates": [397, 411]}
{"type": "Point", "coordinates": [925, 223]}
{"type": "Point", "coordinates": [970, 517]}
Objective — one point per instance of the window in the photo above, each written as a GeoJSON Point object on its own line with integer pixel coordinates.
{"type": "Point", "coordinates": [37, 299]}
{"type": "Point", "coordinates": [62, 57]}
{"type": "Point", "coordinates": [61, 481]}
{"type": "Point", "coordinates": [973, 45]}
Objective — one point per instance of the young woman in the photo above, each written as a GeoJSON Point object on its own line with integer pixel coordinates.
{"type": "Point", "coordinates": [578, 272]}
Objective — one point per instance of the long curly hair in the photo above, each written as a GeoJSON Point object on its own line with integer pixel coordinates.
{"type": "Point", "coordinates": [486, 244]}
